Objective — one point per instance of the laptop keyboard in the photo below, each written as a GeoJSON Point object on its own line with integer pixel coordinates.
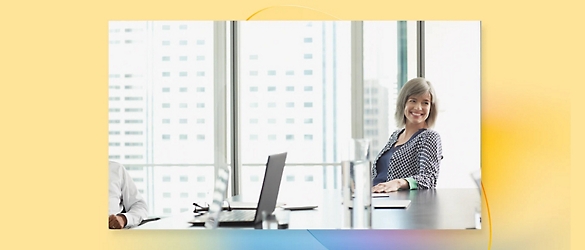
{"type": "Point", "coordinates": [237, 215]}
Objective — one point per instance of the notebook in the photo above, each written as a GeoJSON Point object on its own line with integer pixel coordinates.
{"type": "Point", "coordinates": [266, 201]}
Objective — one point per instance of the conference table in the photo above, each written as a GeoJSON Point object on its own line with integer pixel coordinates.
{"type": "Point", "coordinates": [429, 209]}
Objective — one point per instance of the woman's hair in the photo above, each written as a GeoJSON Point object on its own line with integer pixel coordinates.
{"type": "Point", "coordinates": [416, 86]}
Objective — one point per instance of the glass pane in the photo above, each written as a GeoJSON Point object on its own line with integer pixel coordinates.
{"type": "Point", "coordinates": [297, 76]}
{"type": "Point", "coordinates": [389, 58]}
{"type": "Point", "coordinates": [453, 66]}
{"type": "Point", "coordinates": [161, 104]}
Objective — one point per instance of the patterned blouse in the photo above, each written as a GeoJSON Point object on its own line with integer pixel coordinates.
{"type": "Point", "coordinates": [419, 158]}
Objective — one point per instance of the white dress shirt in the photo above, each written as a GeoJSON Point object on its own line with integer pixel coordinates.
{"type": "Point", "coordinates": [123, 195]}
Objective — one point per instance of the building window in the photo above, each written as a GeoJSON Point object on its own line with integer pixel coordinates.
{"type": "Point", "coordinates": [290, 73]}
{"type": "Point", "coordinates": [131, 110]}
{"type": "Point", "coordinates": [290, 137]}
{"type": "Point", "coordinates": [253, 105]}
{"type": "Point", "coordinates": [308, 120]}
{"type": "Point", "coordinates": [253, 72]}
{"type": "Point", "coordinates": [184, 195]}
{"type": "Point", "coordinates": [271, 121]}
{"type": "Point", "coordinates": [183, 121]}
{"type": "Point", "coordinates": [133, 98]}
{"type": "Point", "coordinates": [166, 195]}
{"type": "Point", "coordinates": [184, 178]}
{"type": "Point", "coordinates": [114, 98]}
{"type": "Point", "coordinates": [166, 58]}
{"type": "Point", "coordinates": [308, 56]}
{"type": "Point", "coordinates": [183, 74]}
{"type": "Point", "coordinates": [133, 132]}
{"type": "Point", "coordinates": [133, 144]}
{"type": "Point", "coordinates": [308, 88]}
{"type": "Point", "coordinates": [200, 42]}
{"type": "Point", "coordinates": [253, 57]}
{"type": "Point", "coordinates": [184, 105]}
{"type": "Point", "coordinates": [308, 72]}
{"type": "Point", "coordinates": [200, 73]}
{"type": "Point", "coordinates": [308, 40]}
{"type": "Point", "coordinates": [253, 137]}
{"type": "Point", "coordinates": [133, 157]}
{"type": "Point", "coordinates": [183, 89]}
{"type": "Point", "coordinates": [201, 195]}
{"type": "Point", "coordinates": [114, 121]}
{"type": "Point", "coordinates": [308, 137]}
{"type": "Point", "coordinates": [166, 74]}
{"type": "Point", "coordinates": [166, 27]}
{"type": "Point", "coordinates": [272, 72]}
{"type": "Point", "coordinates": [271, 88]}
{"type": "Point", "coordinates": [290, 120]}
{"type": "Point", "coordinates": [166, 43]}
{"type": "Point", "coordinates": [290, 88]}
{"type": "Point", "coordinates": [254, 121]}
{"type": "Point", "coordinates": [114, 157]}
{"type": "Point", "coordinates": [290, 178]}
{"type": "Point", "coordinates": [199, 89]}
{"type": "Point", "coordinates": [308, 104]}
{"type": "Point", "coordinates": [114, 132]}
{"type": "Point", "coordinates": [166, 178]}
{"type": "Point", "coordinates": [183, 137]}
{"type": "Point", "coordinates": [183, 42]}
{"type": "Point", "coordinates": [166, 105]}
{"type": "Point", "coordinates": [183, 58]}
{"type": "Point", "coordinates": [200, 58]}
{"type": "Point", "coordinates": [200, 178]}
{"type": "Point", "coordinates": [167, 210]}
{"type": "Point", "coordinates": [200, 137]}
{"type": "Point", "coordinates": [271, 104]}
{"type": "Point", "coordinates": [253, 89]}
{"type": "Point", "coordinates": [166, 137]}
{"type": "Point", "coordinates": [133, 121]}
{"type": "Point", "coordinates": [183, 27]}
{"type": "Point", "coordinates": [114, 144]}
{"type": "Point", "coordinates": [254, 178]}
{"type": "Point", "coordinates": [308, 178]}
{"type": "Point", "coordinates": [200, 121]}
{"type": "Point", "coordinates": [290, 104]}
{"type": "Point", "coordinates": [166, 89]}
{"type": "Point", "coordinates": [271, 137]}
{"type": "Point", "coordinates": [114, 110]}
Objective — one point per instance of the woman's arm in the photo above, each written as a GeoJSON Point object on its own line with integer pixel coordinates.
{"type": "Point", "coordinates": [430, 155]}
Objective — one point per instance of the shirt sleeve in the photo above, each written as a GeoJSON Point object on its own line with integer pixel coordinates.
{"type": "Point", "coordinates": [430, 156]}
{"type": "Point", "coordinates": [135, 206]}
{"type": "Point", "coordinates": [412, 183]}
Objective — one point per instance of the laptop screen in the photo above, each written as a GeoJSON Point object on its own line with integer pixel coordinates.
{"type": "Point", "coordinates": [270, 185]}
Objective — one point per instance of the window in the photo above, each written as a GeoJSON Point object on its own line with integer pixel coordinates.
{"type": "Point", "coordinates": [184, 178]}
{"type": "Point", "coordinates": [199, 89]}
{"type": "Point", "coordinates": [308, 104]}
{"type": "Point", "coordinates": [166, 89]}
{"type": "Point", "coordinates": [271, 104]}
{"type": "Point", "coordinates": [308, 40]}
{"type": "Point", "coordinates": [271, 88]}
{"type": "Point", "coordinates": [290, 104]}
{"type": "Point", "coordinates": [132, 121]}
{"type": "Point", "coordinates": [183, 121]}
{"type": "Point", "coordinates": [253, 137]}
{"type": "Point", "coordinates": [133, 132]}
{"type": "Point", "coordinates": [200, 178]}
{"type": "Point", "coordinates": [253, 105]}
{"type": "Point", "coordinates": [272, 72]}
{"type": "Point", "coordinates": [200, 58]}
{"type": "Point", "coordinates": [184, 195]}
{"type": "Point", "coordinates": [253, 89]}
{"type": "Point", "coordinates": [183, 42]}
{"type": "Point", "coordinates": [183, 74]}
{"type": "Point", "coordinates": [200, 137]}
{"type": "Point", "coordinates": [200, 73]}
{"type": "Point", "coordinates": [166, 195]}
{"type": "Point", "coordinates": [271, 137]}
{"type": "Point", "coordinates": [183, 89]}
{"type": "Point", "coordinates": [308, 56]}
{"type": "Point", "coordinates": [166, 43]}
{"type": "Point", "coordinates": [308, 137]}
{"type": "Point", "coordinates": [290, 120]}
{"type": "Point", "coordinates": [183, 137]}
{"type": "Point", "coordinates": [290, 73]}
{"type": "Point", "coordinates": [166, 178]}
{"type": "Point", "coordinates": [271, 121]}
{"type": "Point", "coordinates": [114, 144]}
{"type": "Point", "coordinates": [166, 105]}
{"type": "Point", "coordinates": [254, 121]}
{"type": "Point", "coordinates": [166, 137]}
{"type": "Point", "coordinates": [308, 72]}
{"type": "Point", "coordinates": [290, 88]}
{"type": "Point", "coordinates": [166, 58]}
{"type": "Point", "coordinates": [308, 88]}
{"type": "Point", "coordinates": [253, 57]}
{"type": "Point", "coordinates": [114, 110]}
{"type": "Point", "coordinates": [200, 121]}
{"type": "Point", "coordinates": [290, 137]}
{"type": "Point", "coordinates": [114, 132]}
{"type": "Point", "coordinates": [183, 58]}
{"type": "Point", "coordinates": [308, 120]}
{"type": "Point", "coordinates": [185, 105]}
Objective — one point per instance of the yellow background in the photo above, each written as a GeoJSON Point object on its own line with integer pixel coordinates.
{"type": "Point", "coordinates": [53, 103]}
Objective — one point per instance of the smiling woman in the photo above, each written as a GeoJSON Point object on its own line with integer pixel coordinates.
{"type": "Point", "coordinates": [412, 155]}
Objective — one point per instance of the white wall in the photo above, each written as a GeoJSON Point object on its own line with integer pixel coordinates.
{"type": "Point", "coordinates": [452, 64]}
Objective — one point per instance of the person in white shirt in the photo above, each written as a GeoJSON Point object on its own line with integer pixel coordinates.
{"type": "Point", "coordinates": [127, 208]}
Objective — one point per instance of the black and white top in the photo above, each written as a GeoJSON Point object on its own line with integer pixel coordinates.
{"type": "Point", "coordinates": [419, 158]}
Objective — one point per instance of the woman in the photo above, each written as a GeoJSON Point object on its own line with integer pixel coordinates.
{"type": "Point", "coordinates": [411, 158]}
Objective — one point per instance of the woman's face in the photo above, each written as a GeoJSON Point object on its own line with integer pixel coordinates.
{"type": "Point", "coordinates": [417, 109]}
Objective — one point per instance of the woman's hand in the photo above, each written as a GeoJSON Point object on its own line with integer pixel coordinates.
{"type": "Point", "coordinates": [390, 186]}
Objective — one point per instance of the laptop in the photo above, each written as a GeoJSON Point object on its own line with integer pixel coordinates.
{"type": "Point", "coordinates": [266, 201]}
